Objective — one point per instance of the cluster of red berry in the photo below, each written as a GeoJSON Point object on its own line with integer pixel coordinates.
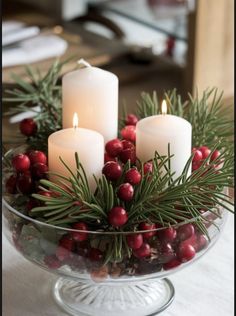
{"type": "Point", "coordinates": [73, 245]}
{"type": "Point", "coordinates": [201, 153]}
{"type": "Point", "coordinates": [113, 170]}
{"type": "Point", "coordinates": [174, 246]}
{"type": "Point", "coordinates": [29, 168]}
{"type": "Point", "coordinates": [124, 149]}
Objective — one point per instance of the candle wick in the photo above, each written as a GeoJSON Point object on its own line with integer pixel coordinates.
{"type": "Point", "coordinates": [83, 62]}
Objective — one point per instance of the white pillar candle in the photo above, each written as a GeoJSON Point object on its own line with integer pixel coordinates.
{"type": "Point", "coordinates": [153, 133]}
{"type": "Point", "coordinates": [93, 94]}
{"type": "Point", "coordinates": [87, 143]}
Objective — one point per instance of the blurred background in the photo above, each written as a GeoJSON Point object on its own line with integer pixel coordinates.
{"type": "Point", "coordinates": [149, 44]}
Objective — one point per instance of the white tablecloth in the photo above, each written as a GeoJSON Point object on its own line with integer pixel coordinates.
{"type": "Point", "coordinates": [202, 289]}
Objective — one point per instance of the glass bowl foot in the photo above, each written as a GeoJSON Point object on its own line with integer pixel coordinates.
{"type": "Point", "coordinates": [143, 298]}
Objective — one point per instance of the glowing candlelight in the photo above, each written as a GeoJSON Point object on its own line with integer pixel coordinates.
{"type": "Point", "coordinates": [75, 121]}
{"type": "Point", "coordinates": [164, 107]}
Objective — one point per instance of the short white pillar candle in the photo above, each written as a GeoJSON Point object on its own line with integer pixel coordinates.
{"type": "Point", "coordinates": [154, 133]}
{"type": "Point", "coordinates": [87, 143]}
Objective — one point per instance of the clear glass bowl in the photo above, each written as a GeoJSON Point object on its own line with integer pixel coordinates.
{"type": "Point", "coordinates": [87, 286]}
{"type": "Point", "coordinates": [97, 278]}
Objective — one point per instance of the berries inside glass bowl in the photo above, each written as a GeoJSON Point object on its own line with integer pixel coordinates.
{"type": "Point", "coordinates": [27, 169]}
{"type": "Point", "coordinates": [145, 243]}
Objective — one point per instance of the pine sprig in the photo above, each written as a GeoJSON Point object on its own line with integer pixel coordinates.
{"type": "Point", "coordinates": [158, 198]}
{"type": "Point", "coordinates": [210, 121]}
{"type": "Point", "coordinates": [148, 105]}
{"type": "Point", "coordinates": [39, 91]}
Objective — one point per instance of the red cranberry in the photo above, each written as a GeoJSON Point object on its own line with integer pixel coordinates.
{"type": "Point", "coordinates": [79, 236]}
{"type": "Point", "coordinates": [95, 254]}
{"type": "Point", "coordinates": [197, 155]}
{"type": "Point", "coordinates": [45, 193]}
{"type": "Point", "coordinates": [78, 203]}
{"type": "Point", "coordinates": [125, 192]}
{"type": "Point", "coordinates": [114, 147]}
{"type": "Point", "coordinates": [146, 226]}
{"type": "Point", "coordinates": [56, 194]}
{"type": "Point", "coordinates": [185, 252]}
{"type": "Point", "coordinates": [66, 246]}
{"type": "Point", "coordinates": [131, 119]}
{"type": "Point", "coordinates": [21, 162]}
{"type": "Point", "coordinates": [128, 154]}
{"type": "Point", "coordinates": [148, 167]}
{"type": "Point", "coordinates": [200, 243]}
{"type": "Point", "coordinates": [205, 151]}
{"type": "Point", "coordinates": [191, 240]}
{"type": "Point", "coordinates": [108, 158]}
{"type": "Point", "coordinates": [167, 252]}
{"type": "Point", "coordinates": [127, 144]}
{"type": "Point", "coordinates": [37, 156]}
{"type": "Point", "coordinates": [171, 264]}
{"type": "Point", "coordinates": [82, 249]}
{"type": "Point", "coordinates": [62, 253]}
{"type": "Point", "coordinates": [129, 133]}
{"type": "Point", "coordinates": [117, 216]}
{"type": "Point", "coordinates": [39, 170]}
{"type": "Point", "coordinates": [167, 235]}
{"type": "Point", "coordinates": [52, 262]}
{"type": "Point", "coordinates": [67, 243]}
{"type": "Point", "coordinates": [185, 231]}
{"type": "Point", "coordinates": [112, 170]}
{"type": "Point", "coordinates": [28, 127]}
{"type": "Point", "coordinates": [133, 176]}
{"type": "Point", "coordinates": [26, 173]}
{"type": "Point", "coordinates": [135, 241]}
{"type": "Point", "coordinates": [11, 184]}
{"type": "Point", "coordinates": [215, 155]}
{"type": "Point", "coordinates": [143, 252]}
{"type": "Point", "coordinates": [32, 203]}
{"type": "Point", "coordinates": [24, 184]}
{"type": "Point", "coordinates": [195, 165]}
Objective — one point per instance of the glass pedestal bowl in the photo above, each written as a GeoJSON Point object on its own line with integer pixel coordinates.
{"type": "Point", "coordinates": [95, 277]}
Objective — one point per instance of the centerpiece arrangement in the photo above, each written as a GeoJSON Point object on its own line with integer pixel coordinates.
{"type": "Point", "coordinates": [113, 214]}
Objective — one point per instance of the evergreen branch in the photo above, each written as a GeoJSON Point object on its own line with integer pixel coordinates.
{"type": "Point", "coordinates": [43, 91]}
{"type": "Point", "coordinates": [153, 199]}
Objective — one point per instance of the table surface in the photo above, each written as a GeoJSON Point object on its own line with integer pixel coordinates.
{"type": "Point", "coordinates": [202, 289]}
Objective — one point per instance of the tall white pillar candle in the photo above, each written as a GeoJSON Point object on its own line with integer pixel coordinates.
{"type": "Point", "coordinates": [93, 94]}
{"type": "Point", "coordinates": [87, 143]}
{"type": "Point", "coordinates": [153, 133]}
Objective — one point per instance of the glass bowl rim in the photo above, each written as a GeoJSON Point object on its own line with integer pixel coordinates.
{"type": "Point", "coordinates": [97, 232]}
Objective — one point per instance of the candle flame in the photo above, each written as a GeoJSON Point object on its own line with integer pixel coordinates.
{"type": "Point", "coordinates": [164, 107]}
{"type": "Point", "coordinates": [75, 120]}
